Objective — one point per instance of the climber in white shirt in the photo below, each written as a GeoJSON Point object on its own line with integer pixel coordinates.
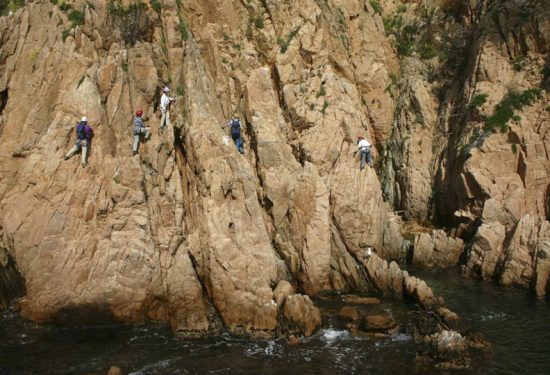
{"type": "Point", "coordinates": [165, 102]}
{"type": "Point", "coordinates": [363, 147]}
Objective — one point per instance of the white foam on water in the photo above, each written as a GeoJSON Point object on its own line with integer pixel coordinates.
{"type": "Point", "coordinates": [333, 335]}
{"type": "Point", "coordinates": [270, 348]}
{"type": "Point", "coordinates": [401, 337]}
{"type": "Point", "coordinates": [492, 316]}
{"type": "Point", "coordinates": [153, 368]}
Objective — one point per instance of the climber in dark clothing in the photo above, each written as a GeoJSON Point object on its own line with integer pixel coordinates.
{"type": "Point", "coordinates": [235, 126]}
{"type": "Point", "coordinates": [84, 133]}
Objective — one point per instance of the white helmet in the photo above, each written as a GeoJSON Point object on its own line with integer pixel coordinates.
{"type": "Point", "coordinates": [166, 89]}
{"type": "Point", "coordinates": [84, 119]}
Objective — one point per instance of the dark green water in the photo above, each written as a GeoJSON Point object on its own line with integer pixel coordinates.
{"type": "Point", "coordinates": [517, 326]}
{"type": "Point", "coordinates": [515, 323]}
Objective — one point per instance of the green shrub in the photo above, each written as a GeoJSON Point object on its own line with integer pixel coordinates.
{"type": "Point", "coordinates": [376, 6]}
{"type": "Point", "coordinates": [322, 91]}
{"type": "Point", "coordinates": [76, 18]}
{"type": "Point", "coordinates": [478, 101]}
{"type": "Point", "coordinates": [284, 43]}
{"type": "Point", "coordinates": [504, 111]}
{"type": "Point", "coordinates": [519, 62]}
{"type": "Point", "coordinates": [325, 106]}
{"type": "Point", "coordinates": [514, 148]}
{"type": "Point", "coordinates": [65, 34]}
{"type": "Point", "coordinates": [155, 4]}
{"type": "Point", "coordinates": [259, 22]}
{"type": "Point", "coordinates": [10, 5]}
{"type": "Point", "coordinates": [428, 51]}
{"type": "Point", "coordinates": [65, 6]}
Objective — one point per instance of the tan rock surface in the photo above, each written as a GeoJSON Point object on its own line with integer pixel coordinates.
{"type": "Point", "coordinates": [301, 315]}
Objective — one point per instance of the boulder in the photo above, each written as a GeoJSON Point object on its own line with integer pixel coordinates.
{"type": "Point", "coordinates": [301, 316]}
{"type": "Point", "coordinates": [436, 250]}
{"type": "Point", "coordinates": [380, 323]}
{"type": "Point", "coordinates": [349, 312]}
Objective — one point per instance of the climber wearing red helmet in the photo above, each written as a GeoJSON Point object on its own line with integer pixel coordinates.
{"type": "Point", "coordinates": [139, 129]}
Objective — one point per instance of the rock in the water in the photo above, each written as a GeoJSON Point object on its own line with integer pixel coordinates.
{"type": "Point", "coordinates": [358, 300]}
{"type": "Point", "coordinates": [380, 323]}
{"type": "Point", "coordinates": [349, 312]}
{"type": "Point", "coordinates": [115, 370]}
{"type": "Point", "coordinates": [301, 316]}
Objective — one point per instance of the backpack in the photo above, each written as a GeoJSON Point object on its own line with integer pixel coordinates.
{"type": "Point", "coordinates": [80, 134]}
{"type": "Point", "coordinates": [235, 128]}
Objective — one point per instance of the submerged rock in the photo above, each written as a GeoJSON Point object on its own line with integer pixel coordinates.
{"type": "Point", "coordinates": [349, 312]}
{"type": "Point", "coordinates": [358, 300]}
{"type": "Point", "coordinates": [115, 370]}
{"type": "Point", "coordinates": [380, 323]}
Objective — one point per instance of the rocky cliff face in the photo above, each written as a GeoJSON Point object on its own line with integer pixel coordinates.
{"type": "Point", "coordinates": [192, 232]}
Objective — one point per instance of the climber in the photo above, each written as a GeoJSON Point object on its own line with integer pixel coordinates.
{"type": "Point", "coordinates": [235, 126]}
{"type": "Point", "coordinates": [139, 129]}
{"type": "Point", "coordinates": [84, 134]}
{"type": "Point", "coordinates": [363, 146]}
{"type": "Point", "coordinates": [165, 102]}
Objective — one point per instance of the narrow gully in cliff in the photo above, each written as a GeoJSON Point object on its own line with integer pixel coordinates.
{"type": "Point", "coordinates": [12, 282]}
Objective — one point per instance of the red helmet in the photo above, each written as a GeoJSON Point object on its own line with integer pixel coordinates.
{"type": "Point", "coordinates": [139, 113]}
{"type": "Point", "coordinates": [359, 138]}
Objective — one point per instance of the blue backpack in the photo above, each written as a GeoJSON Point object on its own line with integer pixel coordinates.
{"type": "Point", "coordinates": [235, 128]}
{"type": "Point", "coordinates": [80, 127]}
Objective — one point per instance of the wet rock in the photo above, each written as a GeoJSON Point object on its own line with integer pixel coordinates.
{"type": "Point", "coordinates": [349, 312]}
{"type": "Point", "coordinates": [301, 316]}
{"type": "Point", "coordinates": [380, 323]}
{"type": "Point", "coordinates": [12, 283]}
{"type": "Point", "coordinates": [419, 291]}
{"type": "Point", "coordinates": [450, 343]}
{"type": "Point", "coordinates": [542, 271]}
{"type": "Point", "coordinates": [358, 300]}
{"type": "Point", "coordinates": [476, 340]}
{"type": "Point", "coordinates": [115, 370]}
{"type": "Point", "coordinates": [450, 349]}
{"type": "Point", "coordinates": [447, 314]}
{"type": "Point", "coordinates": [425, 325]}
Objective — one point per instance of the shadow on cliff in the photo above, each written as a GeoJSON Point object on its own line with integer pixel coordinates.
{"type": "Point", "coordinates": [89, 314]}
